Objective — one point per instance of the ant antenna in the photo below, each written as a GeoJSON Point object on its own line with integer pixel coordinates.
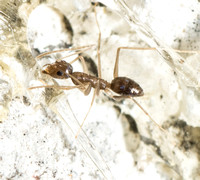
{"type": "Point", "coordinates": [78, 49]}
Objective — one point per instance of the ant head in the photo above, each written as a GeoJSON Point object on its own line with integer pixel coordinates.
{"type": "Point", "coordinates": [59, 70]}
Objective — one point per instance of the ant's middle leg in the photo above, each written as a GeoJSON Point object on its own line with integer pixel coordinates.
{"type": "Point", "coordinates": [116, 67]}
{"type": "Point", "coordinates": [99, 43]}
{"type": "Point", "coordinates": [136, 102]}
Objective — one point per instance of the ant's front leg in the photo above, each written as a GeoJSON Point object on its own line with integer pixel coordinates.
{"type": "Point", "coordinates": [56, 87]}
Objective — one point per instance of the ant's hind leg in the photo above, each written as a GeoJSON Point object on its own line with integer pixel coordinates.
{"type": "Point", "coordinates": [137, 103]}
{"type": "Point", "coordinates": [147, 114]}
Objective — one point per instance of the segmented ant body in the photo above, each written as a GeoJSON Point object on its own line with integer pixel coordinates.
{"type": "Point", "coordinates": [120, 85]}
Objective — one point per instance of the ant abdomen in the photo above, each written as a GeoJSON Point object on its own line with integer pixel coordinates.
{"type": "Point", "coordinates": [126, 86]}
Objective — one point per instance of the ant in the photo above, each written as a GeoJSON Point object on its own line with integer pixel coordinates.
{"type": "Point", "coordinates": [123, 87]}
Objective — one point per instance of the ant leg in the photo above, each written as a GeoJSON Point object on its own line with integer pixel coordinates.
{"type": "Point", "coordinates": [116, 72]}
{"type": "Point", "coordinates": [93, 97]}
{"type": "Point", "coordinates": [108, 91]}
{"type": "Point", "coordinates": [116, 67]}
{"type": "Point", "coordinates": [75, 79]}
{"type": "Point", "coordinates": [85, 69]}
{"type": "Point", "coordinates": [85, 48]}
{"type": "Point", "coordinates": [147, 114]}
{"type": "Point", "coordinates": [138, 104]}
{"type": "Point", "coordinates": [99, 43]}
{"type": "Point", "coordinates": [88, 89]}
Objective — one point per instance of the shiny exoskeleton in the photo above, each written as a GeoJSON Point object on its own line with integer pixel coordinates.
{"type": "Point", "coordinates": [123, 86]}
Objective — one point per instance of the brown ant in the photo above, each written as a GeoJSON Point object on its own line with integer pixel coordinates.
{"type": "Point", "coordinates": [124, 87]}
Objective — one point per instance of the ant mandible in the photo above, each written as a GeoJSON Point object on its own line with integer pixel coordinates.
{"type": "Point", "coordinates": [124, 87]}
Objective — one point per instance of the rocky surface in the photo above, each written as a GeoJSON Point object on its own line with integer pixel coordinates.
{"type": "Point", "coordinates": [38, 126]}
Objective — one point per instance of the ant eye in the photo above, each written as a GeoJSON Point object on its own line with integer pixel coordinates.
{"type": "Point", "coordinates": [122, 87]}
{"type": "Point", "coordinates": [59, 73]}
